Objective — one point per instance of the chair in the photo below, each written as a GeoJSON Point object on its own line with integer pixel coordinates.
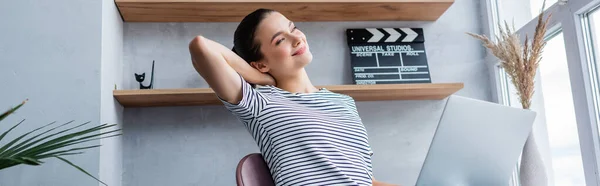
{"type": "Point", "coordinates": [253, 171]}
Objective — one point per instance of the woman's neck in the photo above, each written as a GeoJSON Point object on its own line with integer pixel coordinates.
{"type": "Point", "coordinates": [300, 83]}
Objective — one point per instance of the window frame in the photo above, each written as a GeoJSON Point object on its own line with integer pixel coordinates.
{"type": "Point", "coordinates": [572, 19]}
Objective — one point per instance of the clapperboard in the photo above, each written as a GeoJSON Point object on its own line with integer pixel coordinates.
{"type": "Point", "coordinates": [388, 55]}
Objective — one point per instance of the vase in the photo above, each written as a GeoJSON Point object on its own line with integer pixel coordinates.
{"type": "Point", "coordinates": [532, 171]}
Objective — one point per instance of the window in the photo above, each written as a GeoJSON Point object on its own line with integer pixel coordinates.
{"type": "Point", "coordinates": [520, 12]}
{"type": "Point", "coordinates": [536, 5]}
{"type": "Point", "coordinates": [592, 24]}
{"type": "Point", "coordinates": [571, 149]}
{"type": "Point", "coordinates": [559, 113]}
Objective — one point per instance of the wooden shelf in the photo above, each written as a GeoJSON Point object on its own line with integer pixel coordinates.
{"type": "Point", "coordinates": [295, 10]}
{"type": "Point", "coordinates": [205, 96]}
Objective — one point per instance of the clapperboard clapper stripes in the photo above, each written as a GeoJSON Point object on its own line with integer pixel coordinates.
{"type": "Point", "coordinates": [388, 55]}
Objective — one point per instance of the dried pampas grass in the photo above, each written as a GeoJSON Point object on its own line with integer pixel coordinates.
{"type": "Point", "coordinates": [520, 61]}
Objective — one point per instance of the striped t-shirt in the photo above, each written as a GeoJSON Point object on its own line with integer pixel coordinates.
{"type": "Point", "coordinates": [306, 138]}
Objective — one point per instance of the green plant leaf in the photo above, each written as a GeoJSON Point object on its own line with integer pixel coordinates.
{"type": "Point", "coordinates": [79, 168]}
{"type": "Point", "coordinates": [68, 154]}
{"type": "Point", "coordinates": [93, 139]}
{"type": "Point", "coordinates": [6, 164]}
{"type": "Point", "coordinates": [31, 150]}
{"type": "Point", "coordinates": [15, 160]}
{"type": "Point", "coordinates": [12, 110]}
{"type": "Point", "coordinates": [65, 140]}
{"type": "Point", "coordinates": [3, 149]}
{"type": "Point", "coordinates": [9, 162]}
{"type": "Point", "coordinates": [42, 156]}
{"type": "Point", "coordinates": [69, 143]}
{"type": "Point", "coordinates": [31, 161]}
{"type": "Point", "coordinates": [59, 142]}
{"type": "Point", "coordinates": [24, 147]}
{"type": "Point", "coordinates": [4, 134]}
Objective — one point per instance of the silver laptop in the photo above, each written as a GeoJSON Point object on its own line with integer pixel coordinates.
{"type": "Point", "coordinates": [476, 143]}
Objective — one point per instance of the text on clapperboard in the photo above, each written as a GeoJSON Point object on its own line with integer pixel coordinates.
{"type": "Point", "coordinates": [368, 51]}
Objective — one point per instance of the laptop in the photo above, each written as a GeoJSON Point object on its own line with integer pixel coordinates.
{"type": "Point", "coordinates": [476, 143]}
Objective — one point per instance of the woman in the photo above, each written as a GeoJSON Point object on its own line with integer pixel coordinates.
{"type": "Point", "coordinates": [308, 136]}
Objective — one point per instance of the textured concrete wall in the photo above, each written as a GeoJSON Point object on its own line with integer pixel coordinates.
{"type": "Point", "coordinates": [50, 53]}
{"type": "Point", "coordinates": [201, 145]}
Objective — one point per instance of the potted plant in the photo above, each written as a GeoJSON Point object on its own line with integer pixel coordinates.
{"type": "Point", "coordinates": [50, 141]}
{"type": "Point", "coordinates": [521, 61]}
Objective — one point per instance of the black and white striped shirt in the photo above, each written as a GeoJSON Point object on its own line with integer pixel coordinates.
{"type": "Point", "coordinates": [306, 138]}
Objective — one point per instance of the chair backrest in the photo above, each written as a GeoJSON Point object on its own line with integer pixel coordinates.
{"type": "Point", "coordinates": [253, 171]}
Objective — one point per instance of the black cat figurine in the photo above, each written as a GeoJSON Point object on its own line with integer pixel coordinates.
{"type": "Point", "coordinates": [140, 78]}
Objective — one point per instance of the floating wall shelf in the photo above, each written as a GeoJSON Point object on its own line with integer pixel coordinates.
{"type": "Point", "coordinates": [205, 96]}
{"type": "Point", "coordinates": [295, 10]}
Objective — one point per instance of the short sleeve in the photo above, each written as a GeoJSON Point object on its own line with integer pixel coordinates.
{"type": "Point", "coordinates": [351, 105]}
{"type": "Point", "coordinates": [251, 104]}
{"type": "Point", "coordinates": [369, 163]}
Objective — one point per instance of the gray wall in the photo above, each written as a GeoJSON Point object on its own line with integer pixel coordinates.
{"type": "Point", "coordinates": [50, 54]}
{"type": "Point", "coordinates": [201, 145]}
{"type": "Point", "coordinates": [111, 151]}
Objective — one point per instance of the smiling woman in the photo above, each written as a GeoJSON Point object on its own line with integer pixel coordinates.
{"type": "Point", "coordinates": [306, 135]}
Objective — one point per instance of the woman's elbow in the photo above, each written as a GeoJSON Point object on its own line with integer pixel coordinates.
{"type": "Point", "coordinates": [197, 45]}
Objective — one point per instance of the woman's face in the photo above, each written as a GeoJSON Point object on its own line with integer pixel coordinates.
{"type": "Point", "coordinates": [283, 46]}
